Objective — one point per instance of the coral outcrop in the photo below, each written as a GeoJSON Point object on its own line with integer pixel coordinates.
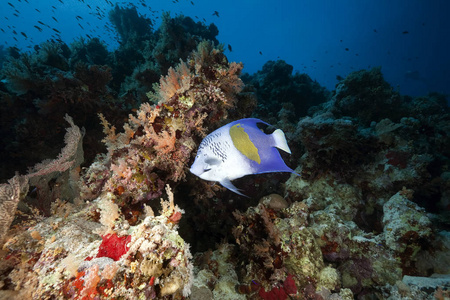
{"type": "Point", "coordinates": [158, 142]}
{"type": "Point", "coordinates": [39, 87]}
{"type": "Point", "coordinates": [277, 87]}
{"type": "Point", "coordinates": [91, 251]}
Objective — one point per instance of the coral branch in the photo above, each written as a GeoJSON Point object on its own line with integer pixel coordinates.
{"type": "Point", "coordinates": [10, 195]}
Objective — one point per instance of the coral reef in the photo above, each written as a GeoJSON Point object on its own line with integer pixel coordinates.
{"type": "Point", "coordinates": [365, 95]}
{"type": "Point", "coordinates": [157, 144]}
{"type": "Point", "coordinates": [93, 252]}
{"type": "Point", "coordinates": [371, 183]}
{"type": "Point", "coordinates": [42, 87]}
{"type": "Point", "coordinates": [277, 88]}
{"type": "Point", "coordinates": [84, 78]}
{"type": "Point", "coordinates": [367, 218]}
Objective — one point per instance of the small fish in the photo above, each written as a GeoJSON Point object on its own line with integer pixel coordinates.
{"type": "Point", "coordinates": [216, 13]}
{"type": "Point", "coordinates": [78, 18]}
{"type": "Point", "coordinates": [38, 28]}
{"type": "Point", "coordinates": [260, 52]}
{"type": "Point", "coordinates": [56, 30]}
{"type": "Point", "coordinates": [9, 3]}
{"type": "Point", "coordinates": [229, 48]}
{"type": "Point", "coordinates": [237, 149]}
{"type": "Point", "coordinates": [55, 19]}
{"type": "Point", "coordinates": [23, 33]}
{"type": "Point", "coordinates": [405, 32]}
{"type": "Point", "coordinates": [346, 49]}
{"type": "Point", "coordinates": [37, 10]}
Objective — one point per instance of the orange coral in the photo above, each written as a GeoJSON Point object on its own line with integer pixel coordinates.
{"type": "Point", "coordinates": [177, 80]}
{"type": "Point", "coordinates": [165, 141]}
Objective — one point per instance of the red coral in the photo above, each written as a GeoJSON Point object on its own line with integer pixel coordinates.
{"type": "Point", "coordinates": [175, 217]}
{"type": "Point", "coordinates": [275, 293]}
{"type": "Point", "coordinates": [280, 293]}
{"type": "Point", "coordinates": [289, 285]}
{"type": "Point", "coordinates": [113, 246]}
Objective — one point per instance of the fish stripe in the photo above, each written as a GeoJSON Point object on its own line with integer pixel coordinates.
{"type": "Point", "coordinates": [243, 144]}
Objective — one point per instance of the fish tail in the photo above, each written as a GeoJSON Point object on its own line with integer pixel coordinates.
{"type": "Point", "coordinates": [280, 140]}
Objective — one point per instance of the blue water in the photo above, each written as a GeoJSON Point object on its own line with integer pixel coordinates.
{"type": "Point", "coordinates": [409, 39]}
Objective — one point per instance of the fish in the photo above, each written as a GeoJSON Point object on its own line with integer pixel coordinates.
{"type": "Point", "coordinates": [238, 149]}
{"type": "Point", "coordinates": [38, 28]}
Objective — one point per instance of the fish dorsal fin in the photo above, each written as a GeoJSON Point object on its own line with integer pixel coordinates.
{"type": "Point", "coordinates": [227, 183]}
{"type": "Point", "coordinates": [280, 141]}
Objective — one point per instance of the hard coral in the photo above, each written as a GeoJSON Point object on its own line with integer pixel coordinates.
{"type": "Point", "coordinates": [366, 96]}
{"type": "Point", "coordinates": [276, 87]}
{"type": "Point", "coordinates": [275, 243]}
{"type": "Point", "coordinates": [282, 292]}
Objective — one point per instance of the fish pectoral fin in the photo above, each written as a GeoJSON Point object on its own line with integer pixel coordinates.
{"type": "Point", "coordinates": [227, 183]}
